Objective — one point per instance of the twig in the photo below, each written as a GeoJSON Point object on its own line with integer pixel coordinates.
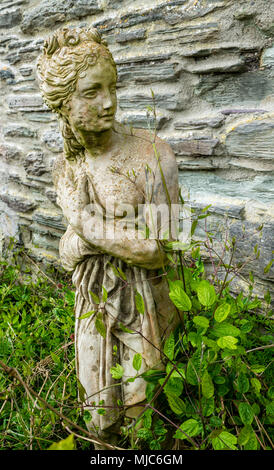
{"type": "Point", "coordinates": [260, 347]}
{"type": "Point", "coordinates": [14, 373]}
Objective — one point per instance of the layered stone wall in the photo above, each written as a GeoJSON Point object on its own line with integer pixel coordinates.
{"type": "Point", "coordinates": [210, 64]}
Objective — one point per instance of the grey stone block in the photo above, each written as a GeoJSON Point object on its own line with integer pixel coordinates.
{"type": "Point", "coordinates": [169, 101]}
{"type": "Point", "coordinates": [53, 12]}
{"type": "Point", "coordinates": [49, 219]}
{"type": "Point", "coordinates": [147, 73]}
{"type": "Point", "coordinates": [254, 139]}
{"type": "Point", "coordinates": [16, 130]}
{"type": "Point", "coordinates": [11, 18]}
{"type": "Point", "coordinates": [194, 146]}
{"type": "Point", "coordinates": [34, 163]}
{"type": "Point", "coordinates": [231, 91]}
{"type": "Point", "coordinates": [210, 121]}
{"type": "Point", "coordinates": [18, 203]}
{"type": "Point", "coordinates": [53, 140]}
{"type": "Point", "coordinates": [27, 102]}
{"type": "Point", "coordinates": [10, 153]}
{"type": "Point", "coordinates": [130, 35]}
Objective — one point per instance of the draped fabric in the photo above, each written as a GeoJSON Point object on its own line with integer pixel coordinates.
{"type": "Point", "coordinates": [95, 355]}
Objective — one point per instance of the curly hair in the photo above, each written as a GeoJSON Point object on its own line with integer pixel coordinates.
{"type": "Point", "coordinates": [66, 54]}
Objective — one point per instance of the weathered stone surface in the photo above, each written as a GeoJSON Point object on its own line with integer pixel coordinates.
{"type": "Point", "coordinates": [42, 116]}
{"type": "Point", "coordinates": [245, 245]}
{"type": "Point", "coordinates": [210, 121]}
{"type": "Point", "coordinates": [143, 121]}
{"type": "Point", "coordinates": [130, 35]}
{"type": "Point", "coordinates": [219, 64]}
{"type": "Point", "coordinates": [26, 51]}
{"type": "Point", "coordinates": [224, 206]}
{"type": "Point", "coordinates": [26, 70]}
{"type": "Point", "coordinates": [267, 58]}
{"type": "Point", "coordinates": [247, 88]}
{"type": "Point", "coordinates": [9, 19]}
{"type": "Point", "coordinates": [198, 146]}
{"type": "Point", "coordinates": [6, 74]}
{"type": "Point", "coordinates": [51, 194]}
{"type": "Point", "coordinates": [18, 203]}
{"type": "Point", "coordinates": [49, 13]}
{"type": "Point", "coordinates": [10, 153]}
{"type": "Point", "coordinates": [53, 140]}
{"type": "Point", "coordinates": [184, 35]}
{"type": "Point", "coordinates": [16, 130]}
{"type": "Point", "coordinates": [45, 242]}
{"type": "Point", "coordinates": [34, 163]}
{"type": "Point", "coordinates": [148, 72]}
{"type": "Point", "coordinates": [49, 219]}
{"type": "Point", "coordinates": [170, 101]}
{"type": "Point", "coordinates": [260, 188]}
{"type": "Point", "coordinates": [252, 140]}
{"type": "Point", "coordinates": [178, 14]}
{"type": "Point", "coordinates": [26, 102]}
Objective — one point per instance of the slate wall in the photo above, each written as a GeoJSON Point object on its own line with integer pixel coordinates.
{"type": "Point", "coordinates": [210, 64]}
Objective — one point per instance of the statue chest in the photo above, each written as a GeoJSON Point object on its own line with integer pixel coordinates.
{"type": "Point", "coordinates": [116, 184]}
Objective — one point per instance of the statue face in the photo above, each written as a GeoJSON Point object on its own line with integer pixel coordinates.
{"type": "Point", "coordinates": [93, 104]}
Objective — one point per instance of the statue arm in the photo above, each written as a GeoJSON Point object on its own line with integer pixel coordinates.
{"type": "Point", "coordinates": [73, 197]}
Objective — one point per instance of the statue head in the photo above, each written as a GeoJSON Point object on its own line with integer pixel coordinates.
{"type": "Point", "coordinates": [77, 77]}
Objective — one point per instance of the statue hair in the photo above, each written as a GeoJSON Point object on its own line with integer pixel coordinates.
{"type": "Point", "coordinates": [66, 54]}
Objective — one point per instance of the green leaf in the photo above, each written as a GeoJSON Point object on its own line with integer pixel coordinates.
{"type": "Point", "coordinates": [228, 342]}
{"type": "Point", "coordinates": [207, 406]}
{"type": "Point", "coordinates": [207, 385]}
{"type": "Point", "coordinates": [105, 294]}
{"type": "Point", "coordinates": [215, 421]}
{"type": "Point", "coordinates": [242, 383]}
{"type": "Point", "coordinates": [55, 358]}
{"type": "Point", "coordinates": [139, 302]}
{"type": "Point", "coordinates": [144, 434]}
{"type": "Point", "coordinates": [95, 297]}
{"type": "Point", "coordinates": [82, 391]}
{"type": "Point", "coordinates": [246, 413]}
{"type": "Point", "coordinates": [191, 427]}
{"type": "Point", "coordinates": [195, 369]}
{"type": "Point", "coordinates": [169, 346]}
{"type": "Point", "coordinates": [87, 315]}
{"type": "Point", "coordinates": [268, 266]}
{"type": "Point", "coordinates": [137, 361]}
{"type": "Point", "coordinates": [206, 293]}
{"type": "Point", "coordinates": [245, 435]}
{"type": "Point", "coordinates": [201, 321]}
{"type": "Point", "coordinates": [225, 329]}
{"type": "Point", "coordinates": [179, 297]}
{"type": "Point", "coordinates": [125, 329]}
{"type": "Point", "coordinates": [270, 409]}
{"type": "Point", "coordinates": [225, 440]}
{"type": "Point", "coordinates": [256, 384]}
{"type": "Point", "coordinates": [179, 372]}
{"type": "Point", "coordinates": [100, 326]}
{"type": "Point", "coordinates": [222, 312]}
{"type": "Point", "coordinates": [147, 419]}
{"type": "Point", "coordinates": [117, 371]}
{"type": "Point", "coordinates": [64, 444]}
{"type": "Point", "coordinates": [257, 368]}
{"type": "Point", "coordinates": [252, 443]}
{"type": "Point", "coordinates": [122, 274]}
{"type": "Point", "coordinates": [176, 404]}
{"type": "Point", "coordinates": [174, 386]}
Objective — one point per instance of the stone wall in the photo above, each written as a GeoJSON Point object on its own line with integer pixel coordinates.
{"type": "Point", "coordinates": [210, 64]}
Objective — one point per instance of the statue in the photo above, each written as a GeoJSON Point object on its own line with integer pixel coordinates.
{"type": "Point", "coordinates": [106, 164]}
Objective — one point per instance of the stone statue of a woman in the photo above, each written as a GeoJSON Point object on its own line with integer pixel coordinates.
{"type": "Point", "coordinates": [104, 163]}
